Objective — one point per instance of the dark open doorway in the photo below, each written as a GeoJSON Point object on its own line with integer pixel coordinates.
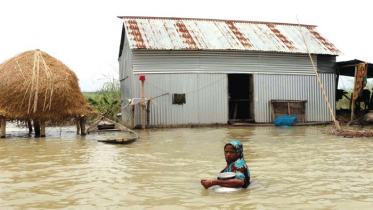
{"type": "Point", "coordinates": [240, 92]}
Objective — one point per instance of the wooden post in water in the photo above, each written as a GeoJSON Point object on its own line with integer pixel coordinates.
{"type": "Point", "coordinates": [37, 128]}
{"type": "Point", "coordinates": [77, 126]}
{"type": "Point", "coordinates": [133, 116]}
{"type": "Point", "coordinates": [29, 126]}
{"type": "Point", "coordinates": [148, 114]}
{"type": "Point", "coordinates": [42, 128]}
{"type": "Point", "coordinates": [143, 104]}
{"type": "Point", "coordinates": [353, 96]}
{"type": "Point", "coordinates": [82, 126]}
{"type": "Point", "coordinates": [3, 126]}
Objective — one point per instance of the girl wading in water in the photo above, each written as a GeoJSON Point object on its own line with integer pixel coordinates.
{"type": "Point", "coordinates": [233, 152]}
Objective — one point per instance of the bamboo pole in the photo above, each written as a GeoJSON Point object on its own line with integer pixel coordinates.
{"type": "Point", "coordinates": [148, 99]}
{"type": "Point", "coordinates": [42, 128]}
{"type": "Point", "coordinates": [336, 123]}
{"type": "Point", "coordinates": [353, 96]}
{"type": "Point", "coordinates": [143, 104]}
{"type": "Point", "coordinates": [3, 126]}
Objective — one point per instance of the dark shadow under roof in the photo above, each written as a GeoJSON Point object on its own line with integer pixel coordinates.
{"type": "Point", "coordinates": [347, 68]}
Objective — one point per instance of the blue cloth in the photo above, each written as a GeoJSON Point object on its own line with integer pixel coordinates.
{"type": "Point", "coordinates": [286, 120]}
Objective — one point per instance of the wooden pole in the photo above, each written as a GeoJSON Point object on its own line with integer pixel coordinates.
{"type": "Point", "coordinates": [37, 128]}
{"type": "Point", "coordinates": [29, 126]}
{"type": "Point", "coordinates": [3, 127]}
{"type": "Point", "coordinates": [147, 114]}
{"type": "Point", "coordinates": [133, 116]}
{"type": "Point", "coordinates": [143, 104]}
{"type": "Point", "coordinates": [82, 125]}
{"type": "Point", "coordinates": [353, 96]}
{"type": "Point", "coordinates": [336, 123]}
{"type": "Point", "coordinates": [42, 128]}
{"type": "Point", "coordinates": [77, 126]}
{"type": "Point", "coordinates": [272, 112]}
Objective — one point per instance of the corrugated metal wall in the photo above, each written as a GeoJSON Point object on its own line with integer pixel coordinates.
{"type": "Point", "coordinates": [202, 75]}
{"type": "Point", "coordinates": [294, 87]}
{"type": "Point", "coordinates": [126, 78]}
{"type": "Point", "coordinates": [206, 98]}
{"type": "Point", "coordinates": [154, 61]}
{"type": "Point", "coordinates": [326, 63]}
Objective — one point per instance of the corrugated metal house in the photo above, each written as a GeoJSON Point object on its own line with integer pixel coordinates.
{"type": "Point", "coordinates": [217, 71]}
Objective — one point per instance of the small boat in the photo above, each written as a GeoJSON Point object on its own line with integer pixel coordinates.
{"type": "Point", "coordinates": [106, 126]}
{"type": "Point", "coordinates": [119, 140]}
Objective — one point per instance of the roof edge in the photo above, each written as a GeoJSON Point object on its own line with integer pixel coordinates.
{"type": "Point", "coordinates": [235, 50]}
{"type": "Point", "coordinates": [206, 19]}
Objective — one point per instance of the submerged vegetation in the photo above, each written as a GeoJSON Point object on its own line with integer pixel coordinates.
{"type": "Point", "coordinates": [107, 99]}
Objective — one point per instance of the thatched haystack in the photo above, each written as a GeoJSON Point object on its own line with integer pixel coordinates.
{"type": "Point", "coordinates": [37, 86]}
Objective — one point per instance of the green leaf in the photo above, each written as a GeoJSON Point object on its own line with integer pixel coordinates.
{"type": "Point", "coordinates": [92, 102]}
{"type": "Point", "coordinates": [105, 100]}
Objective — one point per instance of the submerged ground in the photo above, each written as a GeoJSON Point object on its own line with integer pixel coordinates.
{"type": "Point", "coordinates": [291, 167]}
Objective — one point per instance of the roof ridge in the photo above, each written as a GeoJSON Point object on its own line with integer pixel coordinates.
{"type": "Point", "coordinates": [207, 19]}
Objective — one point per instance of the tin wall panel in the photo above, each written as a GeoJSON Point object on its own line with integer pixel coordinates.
{"type": "Point", "coordinates": [126, 79]}
{"type": "Point", "coordinates": [151, 61]}
{"type": "Point", "coordinates": [294, 87]}
{"type": "Point", "coordinates": [206, 98]}
{"type": "Point", "coordinates": [326, 63]}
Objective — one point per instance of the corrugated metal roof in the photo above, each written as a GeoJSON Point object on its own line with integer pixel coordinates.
{"type": "Point", "coordinates": [203, 34]}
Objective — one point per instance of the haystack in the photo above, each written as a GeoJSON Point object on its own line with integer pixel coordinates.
{"type": "Point", "coordinates": [37, 86]}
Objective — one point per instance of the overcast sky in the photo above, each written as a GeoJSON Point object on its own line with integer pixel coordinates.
{"type": "Point", "coordinates": [85, 34]}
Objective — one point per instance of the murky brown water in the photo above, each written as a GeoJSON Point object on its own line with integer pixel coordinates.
{"type": "Point", "coordinates": [292, 168]}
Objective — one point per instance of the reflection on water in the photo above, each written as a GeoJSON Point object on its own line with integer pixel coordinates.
{"type": "Point", "coordinates": [292, 168]}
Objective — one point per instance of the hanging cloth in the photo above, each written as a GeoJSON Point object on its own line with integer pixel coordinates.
{"type": "Point", "coordinates": [361, 79]}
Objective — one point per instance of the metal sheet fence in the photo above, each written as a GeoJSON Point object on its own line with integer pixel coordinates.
{"type": "Point", "coordinates": [294, 87]}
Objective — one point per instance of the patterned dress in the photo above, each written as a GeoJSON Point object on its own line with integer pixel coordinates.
{"type": "Point", "coordinates": [239, 165]}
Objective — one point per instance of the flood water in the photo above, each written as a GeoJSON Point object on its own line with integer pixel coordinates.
{"type": "Point", "coordinates": [291, 168]}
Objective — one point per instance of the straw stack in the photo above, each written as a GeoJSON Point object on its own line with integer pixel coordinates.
{"type": "Point", "coordinates": [37, 86]}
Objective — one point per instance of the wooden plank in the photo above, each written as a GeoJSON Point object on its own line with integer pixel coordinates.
{"type": "Point", "coordinates": [288, 107]}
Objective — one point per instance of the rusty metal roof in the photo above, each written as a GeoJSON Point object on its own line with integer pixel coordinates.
{"type": "Point", "coordinates": [157, 33]}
